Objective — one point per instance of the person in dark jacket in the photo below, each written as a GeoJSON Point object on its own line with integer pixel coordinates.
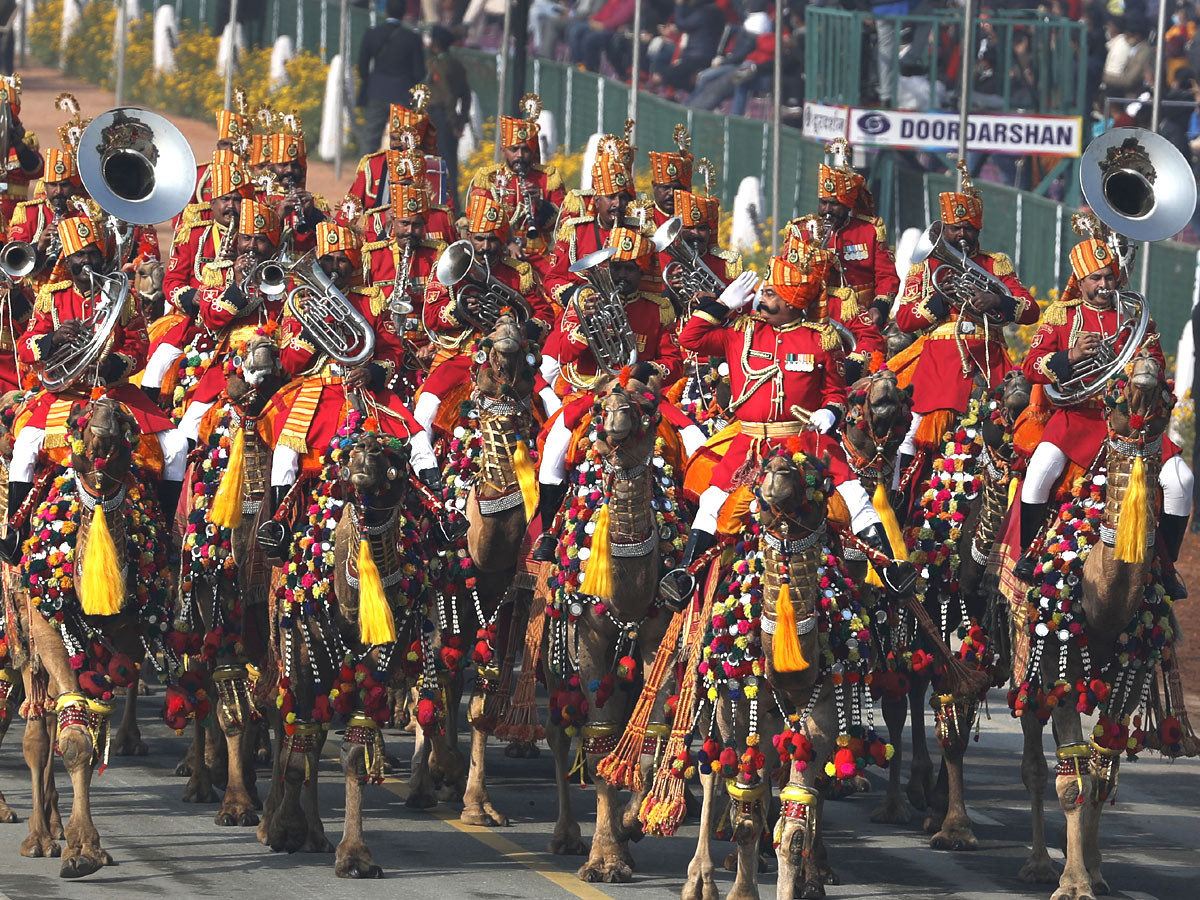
{"type": "Point", "coordinates": [702, 23]}
{"type": "Point", "coordinates": [1173, 121]}
{"type": "Point", "coordinates": [449, 101]}
{"type": "Point", "coordinates": [390, 61]}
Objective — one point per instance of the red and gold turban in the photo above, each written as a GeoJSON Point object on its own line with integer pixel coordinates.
{"type": "Point", "coordinates": [257, 218]}
{"type": "Point", "coordinates": [668, 167]}
{"type": "Point", "coordinates": [401, 117]}
{"type": "Point", "coordinates": [696, 209]}
{"type": "Point", "coordinates": [801, 282]}
{"type": "Point", "coordinates": [231, 124]}
{"type": "Point", "coordinates": [486, 215]}
{"type": "Point", "coordinates": [332, 237]}
{"type": "Point", "coordinates": [410, 199]}
{"type": "Point", "coordinates": [842, 185]}
{"type": "Point", "coordinates": [230, 178]}
{"type": "Point", "coordinates": [61, 166]}
{"type": "Point", "coordinates": [609, 176]}
{"type": "Point", "coordinates": [1091, 255]}
{"type": "Point", "coordinates": [632, 245]}
{"type": "Point", "coordinates": [78, 232]}
{"type": "Point", "coordinates": [962, 206]}
{"type": "Point", "coordinates": [284, 147]}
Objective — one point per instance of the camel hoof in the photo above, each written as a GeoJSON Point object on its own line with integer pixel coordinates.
{"type": "Point", "coordinates": [892, 811]}
{"type": "Point", "coordinates": [568, 843]}
{"type": "Point", "coordinates": [1100, 886]}
{"type": "Point", "coordinates": [80, 866]}
{"type": "Point", "coordinates": [1039, 871]}
{"type": "Point", "coordinates": [248, 819]}
{"type": "Point", "coordinates": [287, 838]}
{"type": "Point", "coordinates": [483, 815]}
{"type": "Point", "coordinates": [356, 862]}
{"type": "Point", "coordinates": [317, 843]}
{"type": "Point", "coordinates": [8, 817]}
{"type": "Point", "coordinates": [184, 769]}
{"type": "Point", "coordinates": [702, 887]}
{"type": "Point", "coordinates": [35, 847]}
{"type": "Point", "coordinates": [954, 840]}
{"type": "Point", "coordinates": [353, 870]}
{"type": "Point", "coordinates": [606, 872]}
{"type": "Point", "coordinates": [262, 756]}
{"type": "Point", "coordinates": [812, 890]}
{"type": "Point", "coordinates": [421, 801]}
{"type": "Point", "coordinates": [1074, 892]}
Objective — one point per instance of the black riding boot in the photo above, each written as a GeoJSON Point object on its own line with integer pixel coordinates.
{"type": "Point", "coordinates": [678, 585]}
{"type": "Point", "coordinates": [899, 575]}
{"type": "Point", "coordinates": [1173, 528]}
{"type": "Point", "coordinates": [10, 544]}
{"type": "Point", "coordinates": [153, 393]}
{"type": "Point", "coordinates": [273, 534]}
{"type": "Point", "coordinates": [168, 498]}
{"type": "Point", "coordinates": [1033, 515]}
{"type": "Point", "coordinates": [550, 498]}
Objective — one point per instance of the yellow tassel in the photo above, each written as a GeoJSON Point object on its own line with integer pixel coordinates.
{"type": "Point", "coordinates": [1131, 522]}
{"type": "Point", "coordinates": [873, 578]}
{"type": "Point", "coordinates": [102, 589]}
{"type": "Point", "coordinates": [1012, 491]}
{"type": "Point", "coordinates": [227, 504]}
{"type": "Point", "coordinates": [787, 656]}
{"type": "Point", "coordinates": [375, 622]}
{"type": "Point", "coordinates": [527, 479]}
{"type": "Point", "coordinates": [887, 515]}
{"type": "Point", "coordinates": [597, 579]}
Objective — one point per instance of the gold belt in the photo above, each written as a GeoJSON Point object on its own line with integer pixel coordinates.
{"type": "Point", "coordinates": [948, 330]}
{"type": "Point", "coordinates": [771, 429]}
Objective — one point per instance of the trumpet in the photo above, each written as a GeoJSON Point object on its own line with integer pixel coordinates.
{"type": "Point", "coordinates": [339, 329]}
{"type": "Point", "coordinates": [66, 365]}
{"type": "Point", "coordinates": [268, 276]}
{"type": "Point", "coordinates": [459, 268]}
{"type": "Point", "coordinates": [958, 277]}
{"type": "Point", "coordinates": [607, 328]}
{"type": "Point", "coordinates": [686, 267]}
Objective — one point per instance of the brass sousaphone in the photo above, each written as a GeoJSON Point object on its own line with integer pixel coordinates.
{"type": "Point", "coordinates": [1141, 189]}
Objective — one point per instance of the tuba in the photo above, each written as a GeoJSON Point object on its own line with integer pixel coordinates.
{"type": "Point", "coordinates": [459, 268]}
{"type": "Point", "coordinates": [1140, 188]}
{"type": "Point", "coordinates": [607, 329]}
{"type": "Point", "coordinates": [326, 314]}
{"type": "Point", "coordinates": [686, 267]}
{"type": "Point", "coordinates": [958, 277]}
{"type": "Point", "coordinates": [66, 365]}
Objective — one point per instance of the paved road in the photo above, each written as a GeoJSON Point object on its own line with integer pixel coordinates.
{"type": "Point", "coordinates": [166, 848]}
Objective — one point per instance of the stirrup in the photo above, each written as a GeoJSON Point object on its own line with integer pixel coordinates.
{"type": "Point", "coordinates": [1024, 569]}
{"type": "Point", "coordinates": [546, 549]}
{"type": "Point", "coordinates": [273, 539]}
{"type": "Point", "coordinates": [676, 588]}
{"type": "Point", "coordinates": [11, 546]}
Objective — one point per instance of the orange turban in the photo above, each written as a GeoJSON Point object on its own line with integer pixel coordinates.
{"type": "Point", "coordinates": [284, 148]}
{"type": "Point", "coordinates": [401, 117]}
{"type": "Point", "coordinates": [77, 232]}
{"type": "Point", "coordinates": [230, 178]}
{"type": "Point", "coordinates": [841, 184]}
{"type": "Point", "coordinates": [332, 237]}
{"type": "Point", "coordinates": [1089, 256]}
{"type": "Point", "coordinates": [231, 124]}
{"type": "Point", "coordinates": [696, 209]}
{"type": "Point", "coordinates": [61, 166]}
{"type": "Point", "coordinates": [485, 215]}
{"type": "Point", "coordinates": [409, 200]}
{"type": "Point", "coordinates": [609, 176]}
{"type": "Point", "coordinates": [669, 167]}
{"type": "Point", "coordinates": [632, 245]}
{"type": "Point", "coordinates": [515, 131]}
{"type": "Point", "coordinates": [801, 282]}
{"type": "Point", "coordinates": [258, 218]}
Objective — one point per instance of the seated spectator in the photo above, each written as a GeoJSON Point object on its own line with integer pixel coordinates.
{"type": "Point", "coordinates": [1174, 121]}
{"type": "Point", "coordinates": [745, 67]}
{"type": "Point", "coordinates": [1125, 64]}
{"type": "Point", "coordinates": [587, 44]}
{"type": "Point", "coordinates": [700, 24]}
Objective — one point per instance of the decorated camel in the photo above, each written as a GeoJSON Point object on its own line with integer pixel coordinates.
{"type": "Point", "coordinates": [11, 690]}
{"type": "Point", "coordinates": [1101, 635]}
{"type": "Point", "coordinates": [350, 623]}
{"type": "Point", "coordinates": [489, 474]}
{"type": "Point", "coordinates": [87, 623]}
{"type": "Point", "coordinates": [223, 584]}
{"type": "Point", "coordinates": [619, 526]}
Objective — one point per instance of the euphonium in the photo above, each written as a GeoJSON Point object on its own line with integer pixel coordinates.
{"type": "Point", "coordinates": [607, 328]}
{"type": "Point", "coordinates": [686, 267]}
{"type": "Point", "coordinates": [459, 268]}
{"type": "Point", "coordinates": [339, 329]}
{"type": "Point", "coordinates": [66, 365]}
{"type": "Point", "coordinates": [958, 277]}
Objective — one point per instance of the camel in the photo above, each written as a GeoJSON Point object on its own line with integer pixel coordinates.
{"type": "Point", "coordinates": [482, 469]}
{"type": "Point", "coordinates": [621, 465]}
{"type": "Point", "coordinates": [11, 692]}
{"type": "Point", "coordinates": [223, 581]}
{"type": "Point", "coordinates": [1118, 590]}
{"type": "Point", "coordinates": [63, 674]}
{"type": "Point", "coordinates": [147, 285]}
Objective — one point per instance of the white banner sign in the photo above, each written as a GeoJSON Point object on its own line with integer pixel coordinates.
{"type": "Point", "coordinates": [986, 132]}
{"type": "Point", "coordinates": [823, 122]}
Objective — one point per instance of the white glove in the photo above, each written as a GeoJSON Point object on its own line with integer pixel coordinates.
{"type": "Point", "coordinates": [823, 420]}
{"type": "Point", "coordinates": [740, 290]}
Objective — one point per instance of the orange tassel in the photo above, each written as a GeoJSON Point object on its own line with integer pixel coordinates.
{"type": "Point", "coordinates": [787, 655]}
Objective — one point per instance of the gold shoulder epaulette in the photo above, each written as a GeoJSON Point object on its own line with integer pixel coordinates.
{"type": "Point", "coordinates": [375, 245]}
{"type": "Point", "coordinates": [554, 181]}
{"type": "Point", "coordinates": [569, 225]}
{"type": "Point", "coordinates": [45, 295]}
{"type": "Point", "coordinates": [666, 312]}
{"type": "Point", "coordinates": [20, 216]}
{"type": "Point", "coordinates": [1001, 265]}
{"type": "Point", "coordinates": [1056, 313]}
{"type": "Point", "coordinates": [374, 295]}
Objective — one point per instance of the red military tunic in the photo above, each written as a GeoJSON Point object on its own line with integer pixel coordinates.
{"type": "Point", "coordinates": [17, 180]}
{"type": "Point", "coordinates": [865, 263]}
{"type": "Point", "coordinates": [13, 320]}
{"type": "Point", "coordinates": [452, 364]}
{"type": "Point", "coordinates": [771, 371]}
{"type": "Point", "coordinates": [370, 182]}
{"type": "Point", "coordinates": [382, 259]}
{"type": "Point", "coordinates": [1078, 431]}
{"type": "Point", "coordinates": [310, 410]}
{"type": "Point", "coordinates": [576, 238]}
{"type": "Point", "coordinates": [58, 302]}
{"type": "Point", "coordinates": [439, 225]}
{"type": "Point", "coordinates": [953, 352]}
{"type": "Point", "coordinates": [498, 181]}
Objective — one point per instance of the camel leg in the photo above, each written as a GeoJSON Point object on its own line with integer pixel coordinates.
{"type": "Point", "coordinates": [270, 807]}
{"type": "Point", "coordinates": [566, 840]}
{"type": "Point", "coordinates": [237, 806]}
{"type": "Point", "coordinates": [194, 756]}
{"type": "Point", "coordinates": [1104, 771]}
{"type": "Point", "coordinates": [609, 859]}
{"type": "Point", "coordinates": [217, 754]}
{"type": "Point", "coordinates": [315, 841]}
{"type": "Point", "coordinates": [83, 854]}
{"type": "Point", "coordinates": [955, 832]}
{"type": "Point", "coordinates": [1037, 869]}
{"type": "Point", "coordinates": [421, 794]}
{"type": "Point", "coordinates": [128, 739]}
{"type": "Point", "coordinates": [894, 808]}
{"type": "Point", "coordinates": [200, 785]}
{"type": "Point", "coordinates": [7, 815]}
{"type": "Point", "coordinates": [748, 819]}
{"type": "Point", "coordinates": [353, 858]}
{"type": "Point", "coordinates": [1075, 793]}
{"type": "Point", "coordinates": [700, 884]}
{"type": "Point", "coordinates": [286, 826]}
{"type": "Point", "coordinates": [49, 788]}
{"type": "Point", "coordinates": [477, 806]}
{"type": "Point", "coordinates": [803, 866]}
{"type": "Point", "coordinates": [920, 777]}
{"type": "Point", "coordinates": [36, 748]}
{"type": "Point", "coordinates": [449, 769]}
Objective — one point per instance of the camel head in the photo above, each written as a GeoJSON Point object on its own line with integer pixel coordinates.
{"type": "Point", "coordinates": [792, 490]}
{"type": "Point", "coordinates": [507, 362]}
{"type": "Point", "coordinates": [1007, 403]}
{"type": "Point", "coordinates": [896, 340]}
{"type": "Point", "coordinates": [1140, 403]}
{"type": "Point", "coordinates": [626, 413]}
{"type": "Point", "coordinates": [103, 437]}
{"type": "Point", "coordinates": [148, 283]}
{"type": "Point", "coordinates": [376, 471]}
{"type": "Point", "coordinates": [879, 415]}
{"type": "Point", "coordinates": [254, 375]}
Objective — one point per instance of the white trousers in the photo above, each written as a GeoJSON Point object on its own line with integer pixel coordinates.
{"type": "Point", "coordinates": [862, 513]}
{"type": "Point", "coordinates": [192, 416]}
{"type": "Point", "coordinates": [161, 361]}
{"type": "Point", "coordinates": [426, 410]}
{"type": "Point", "coordinates": [1048, 463]}
{"type": "Point", "coordinates": [29, 443]}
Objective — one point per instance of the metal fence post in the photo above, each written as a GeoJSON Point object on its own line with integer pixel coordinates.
{"type": "Point", "coordinates": [119, 62]}
{"type": "Point", "coordinates": [230, 53]}
{"type": "Point", "coordinates": [776, 132]}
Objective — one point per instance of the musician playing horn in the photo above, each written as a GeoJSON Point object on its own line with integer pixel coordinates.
{"type": "Point", "coordinates": [670, 172]}
{"type": "Point", "coordinates": [652, 322]}
{"type": "Point", "coordinates": [959, 340]}
{"type": "Point", "coordinates": [59, 319]}
{"type": "Point", "coordinates": [308, 412]}
{"type": "Point", "coordinates": [24, 162]}
{"type": "Point", "coordinates": [786, 365]}
{"type": "Point", "coordinates": [35, 221]}
{"type": "Point", "coordinates": [1073, 330]}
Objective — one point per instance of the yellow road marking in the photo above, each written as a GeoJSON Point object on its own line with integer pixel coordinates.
{"type": "Point", "coordinates": [539, 863]}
